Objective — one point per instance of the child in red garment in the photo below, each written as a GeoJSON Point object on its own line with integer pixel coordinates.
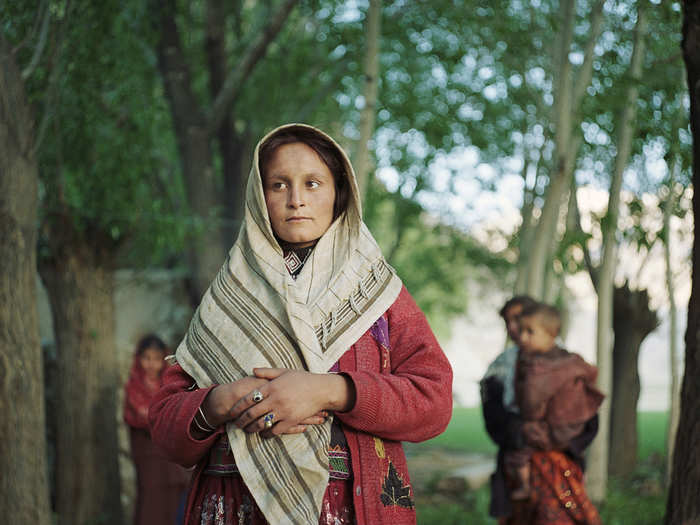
{"type": "Point", "coordinates": [555, 393]}
{"type": "Point", "coordinates": [161, 484]}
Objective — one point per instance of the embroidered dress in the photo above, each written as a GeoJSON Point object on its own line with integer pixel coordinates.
{"type": "Point", "coordinates": [557, 496]}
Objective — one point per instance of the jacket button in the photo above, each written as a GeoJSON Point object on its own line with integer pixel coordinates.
{"type": "Point", "coordinates": [358, 490]}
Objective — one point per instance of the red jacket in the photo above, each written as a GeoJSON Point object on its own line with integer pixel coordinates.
{"type": "Point", "coordinates": [404, 394]}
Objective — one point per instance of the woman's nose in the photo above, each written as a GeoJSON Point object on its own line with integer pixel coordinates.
{"type": "Point", "coordinates": [296, 198]}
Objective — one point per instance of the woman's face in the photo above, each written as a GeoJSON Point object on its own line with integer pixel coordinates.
{"type": "Point", "coordinates": [299, 194]}
{"type": "Point", "coordinates": [152, 362]}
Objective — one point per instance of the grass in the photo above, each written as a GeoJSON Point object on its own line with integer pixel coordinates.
{"type": "Point", "coordinates": [639, 500]}
{"type": "Point", "coordinates": [466, 433]}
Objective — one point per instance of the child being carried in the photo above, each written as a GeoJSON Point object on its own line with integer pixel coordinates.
{"type": "Point", "coordinates": [554, 390]}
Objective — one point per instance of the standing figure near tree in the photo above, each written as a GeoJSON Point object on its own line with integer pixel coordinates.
{"type": "Point", "coordinates": [307, 362]}
{"type": "Point", "coordinates": [160, 484]}
{"type": "Point", "coordinates": [543, 432]}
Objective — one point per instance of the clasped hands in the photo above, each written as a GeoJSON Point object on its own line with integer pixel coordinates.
{"type": "Point", "coordinates": [296, 398]}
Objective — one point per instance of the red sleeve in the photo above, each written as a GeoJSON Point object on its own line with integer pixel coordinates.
{"type": "Point", "coordinates": [170, 416]}
{"type": "Point", "coordinates": [132, 415]}
{"type": "Point", "coordinates": [413, 402]}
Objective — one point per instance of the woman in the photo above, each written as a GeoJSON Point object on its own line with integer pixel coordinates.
{"type": "Point", "coordinates": [304, 320]}
{"type": "Point", "coordinates": [160, 484]}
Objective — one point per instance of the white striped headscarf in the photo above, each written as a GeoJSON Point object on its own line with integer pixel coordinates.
{"type": "Point", "coordinates": [255, 315]}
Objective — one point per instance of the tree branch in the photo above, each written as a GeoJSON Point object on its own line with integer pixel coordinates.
{"type": "Point", "coordinates": [56, 63]}
{"type": "Point", "coordinates": [323, 92]}
{"type": "Point", "coordinates": [586, 72]}
{"type": "Point", "coordinates": [174, 70]}
{"type": "Point", "coordinates": [39, 49]}
{"type": "Point", "coordinates": [254, 53]}
{"type": "Point", "coordinates": [592, 270]}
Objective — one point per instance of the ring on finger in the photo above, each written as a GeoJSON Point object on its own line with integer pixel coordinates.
{"type": "Point", "coordinates": [269, 419]}
{"type": "Point", "coordinates": [257, 396]}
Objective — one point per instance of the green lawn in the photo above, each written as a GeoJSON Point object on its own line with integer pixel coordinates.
{"type": "Point", "coordinates": [466, 433]}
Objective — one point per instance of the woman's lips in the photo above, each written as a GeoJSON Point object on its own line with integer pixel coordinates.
{"type": "Point", "coordinates": [298, 219]}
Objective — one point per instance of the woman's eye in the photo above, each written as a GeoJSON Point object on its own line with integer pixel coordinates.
{"type": "Point", "coordinates": [313, 184]}
{"type": "Point", "coordinates": [278, 185]}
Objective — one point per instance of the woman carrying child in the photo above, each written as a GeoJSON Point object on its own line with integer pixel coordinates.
{"type": "Point", "coordinates": [541, 456]}
{"type": "Point", "coordinates": [307, 361]}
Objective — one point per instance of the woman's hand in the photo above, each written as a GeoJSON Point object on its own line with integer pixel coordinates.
{"type": "Point", "coordinates": [295, 397]}
{"type": "Point", "coordinates": [217, 405]}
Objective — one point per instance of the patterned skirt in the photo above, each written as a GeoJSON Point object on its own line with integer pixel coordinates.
{"type": "Point", "coordinates": [557, 494]}
{"type": "Point", "coordinates": [225, 500]}
{"type": "Point", "coordinates": [222, 498]}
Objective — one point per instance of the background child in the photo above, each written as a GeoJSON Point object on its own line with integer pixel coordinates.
{"type": "Point", "coordinates": [555, 393]}
{"type": "Point", "coordinates": [160, 483]}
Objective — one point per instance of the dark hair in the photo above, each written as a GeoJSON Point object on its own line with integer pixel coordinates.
{"type": "Point", "coordinates": [324, 148]}
{"type": "Point", "coordinates": [518, 300]}
{"type": "Point", "coordinates": [150, 341]}
{"type": "Point", "coordinates": [547, 314]}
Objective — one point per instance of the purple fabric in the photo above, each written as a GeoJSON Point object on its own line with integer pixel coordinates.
{"type": "Point", "coordinates": [380, 332]}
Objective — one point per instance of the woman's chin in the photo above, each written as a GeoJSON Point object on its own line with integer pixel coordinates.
{"type": "Point", "coordinates": [298, 241]}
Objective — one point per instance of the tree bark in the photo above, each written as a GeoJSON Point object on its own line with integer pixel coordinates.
{"type": "Point", "coordinates": [633, 320]}
{"type": "Point", "coordinates": [598, 464]}
{"type": "Point", "coordinates": [674, 393]}
{"type": "Point", "coordinates": [683, 506]}
{"type": "Point", "coordinates": [361, 162]}
{"type": "Point", "coordinates": [78, 277]}
{"type": "Point", "coordinates": [24, 488]}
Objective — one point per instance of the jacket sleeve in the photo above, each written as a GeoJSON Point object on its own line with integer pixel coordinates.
{"type": "Point", "coordinates": [504, 426]}
{"type": "Point", "coordinates": [413, 402]}
{"type": "Point", "coordinates": [170, 416]}
{"type": "Point", "coordinates": [132, 415]}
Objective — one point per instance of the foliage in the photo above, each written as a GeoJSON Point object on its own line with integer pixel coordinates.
{"type": "Point", "coordinates": [105, 135]}
{"type": "Point", "coordinates": [435, 261]}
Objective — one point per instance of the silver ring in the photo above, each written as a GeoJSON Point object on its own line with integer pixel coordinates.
{"type": "Point", "coordinates": [257, 396]}
{"type": "Point", "coordinates": [269, 419]}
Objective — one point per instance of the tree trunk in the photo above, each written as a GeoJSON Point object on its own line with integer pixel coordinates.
{"type": "Point", "coordinates": [78, 278]}
{"type": "Point", "coordinates": [205, 252]}
{"type": "Point", "coordinates": [598, 469]}
{"type": "Point", "coordinates": [633, 320]}
{"type": "Point", "coordinates": [569, 94]}
{"type": "Point", "coordinates": [231, 146]}
{"type": "Point", "coordinates": [559, 184]}
{"type": "Point", "coordinates": [24, 492]}
{"type": "Point", "coordinates": [674, 394]}
{"type": "Point", "coordinates": [361, 162]}
{"type": "Point", "coordinates": [683, 505]}
{"type": "Point", "coordinates": [526, 227]}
